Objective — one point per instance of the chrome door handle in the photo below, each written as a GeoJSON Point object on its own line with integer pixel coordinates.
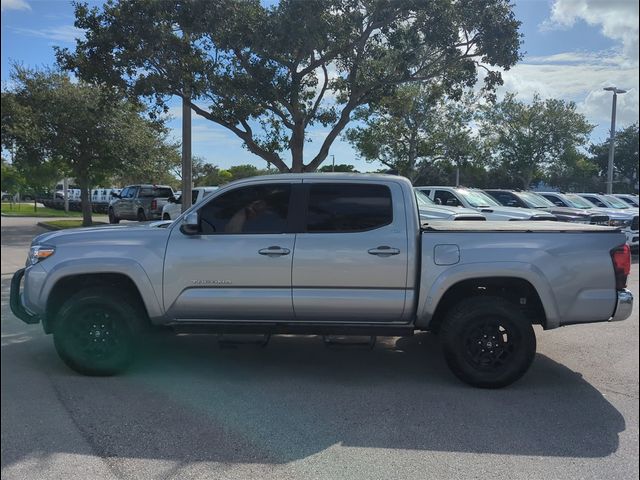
{"type": "Point", "coordinates": [274, 251]}
{"type": "Point", "coordinates": [383, 251]}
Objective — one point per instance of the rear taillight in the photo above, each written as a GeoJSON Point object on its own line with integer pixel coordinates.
{"type": "Point", "coordinates": [154, 204]}
{"type": "Point", "coordinates": [621, 258]}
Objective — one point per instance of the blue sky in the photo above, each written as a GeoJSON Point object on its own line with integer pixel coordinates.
{"type": "Point", "coordinates": [572, 49]}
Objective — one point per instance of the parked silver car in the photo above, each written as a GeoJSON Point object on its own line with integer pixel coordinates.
{"type": "Point", "coordinates": [429, 210]}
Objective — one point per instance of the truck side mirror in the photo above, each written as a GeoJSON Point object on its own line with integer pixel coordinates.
{"type": "Point", "coordinates": [190, 224]}
{"type": "Point", "coordinates": [114, 194]}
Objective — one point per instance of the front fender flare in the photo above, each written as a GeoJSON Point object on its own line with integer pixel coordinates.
{"type": "Point", "coordinates": [88, 266]}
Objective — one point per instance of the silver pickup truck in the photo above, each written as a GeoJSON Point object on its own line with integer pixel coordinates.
{"type": "Point", "coordinates": [328, 255]}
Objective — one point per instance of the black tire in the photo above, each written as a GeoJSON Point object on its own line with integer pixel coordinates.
{"type": "Point", "coordinates": [96, 331]}
{"type": "Point", "coordinates": [166, 217]}
{"type": "Point", "coordinates": [112, 217]}
{"type": "Point", "coordinates": [487, 342]}
{"type": "Point", "coordinates": [141, 216]}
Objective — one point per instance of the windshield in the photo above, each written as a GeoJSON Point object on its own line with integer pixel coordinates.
{"type": "Point", "coordinates": [423, 200]}
{"type": "Point", "coordinates": [478, 199]}
{"type": "Point", "coordinates": [577, 201]}
{"type": "Point", "coordinates": [534, 200]}
{"type": "Point", "coordinates": [616, 202]}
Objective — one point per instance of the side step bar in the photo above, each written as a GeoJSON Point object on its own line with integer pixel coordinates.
{"type": "Point", "coordinates": [233, 341]}
{"type": "Point", "coordinates": [339, 341]}
{"type": "Point", "coordinates": [273, 328]}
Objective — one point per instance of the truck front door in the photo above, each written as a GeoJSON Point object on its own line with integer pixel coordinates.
{"type": "Point", "coordinates": [238, 267]}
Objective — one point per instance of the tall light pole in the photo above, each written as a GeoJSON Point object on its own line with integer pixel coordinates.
{"type": "Point", "coordinates": [333, 163]}
{"type": "Point", "coordinates": [612, 136]}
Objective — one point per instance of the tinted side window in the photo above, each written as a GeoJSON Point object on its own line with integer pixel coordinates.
{"type": "Point", "coordinates": [595, 201]}
{"type": "Point", "coordinates": [149, 192]}
{"type": "Point", "coordinates": [124, 193]}
{"type": "Point", "coordinates": [131, 192]}
{"type": "Point", "coordinates": [446, 198]}
{"type": "Point", "coordinates": [348, 207]}
{"type": "Point", "coordinates": [506, 199]}
{"type": "Point", "coordinates": [255, 209]}
{"type": "Point", "coordinates": [554, 200]}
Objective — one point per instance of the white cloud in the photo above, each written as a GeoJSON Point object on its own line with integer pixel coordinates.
{"type": "Point", "coordinates": [14, 5]}
{"type": "Point", "coordinates": [618, 20]}
{"type": "Point", "coordinates": [63, 33]}
{"type": "Point", "coordinates": [597, 107]}
{"type": "Point", "coordinates": [579, 77]}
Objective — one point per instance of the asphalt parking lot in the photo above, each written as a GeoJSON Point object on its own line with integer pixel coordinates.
{"type": "Point", "coordinates": [297, 410]}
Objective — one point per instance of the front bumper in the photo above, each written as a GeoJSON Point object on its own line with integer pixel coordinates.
{"type": "Point", "coordinates": [624, 306]}
{"type": "Point", "coordinates": [632, 237]}
{"type": "Point", "coordinates": [15, 300]}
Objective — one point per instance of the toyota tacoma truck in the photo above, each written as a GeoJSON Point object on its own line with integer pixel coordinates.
{"type": "Point", "coordinates": [323, 254]}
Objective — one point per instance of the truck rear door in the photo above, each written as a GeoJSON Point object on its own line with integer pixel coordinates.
{"type": "Point", "coordinates": [350, 259]}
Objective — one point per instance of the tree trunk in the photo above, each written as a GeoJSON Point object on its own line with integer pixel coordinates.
{"type": "Point", "coordinates": [85, 201]}
{"type": "Point", "coordinates": [297, 148]}
{"type": "Point", "coordinates": [413, 154]}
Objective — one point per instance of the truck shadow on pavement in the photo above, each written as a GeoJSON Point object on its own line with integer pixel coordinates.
{"type": "Point", "coordinates": [187, 400]}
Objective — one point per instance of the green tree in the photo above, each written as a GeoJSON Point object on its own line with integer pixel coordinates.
{"type": "Point", "coordinates": [75, 129]}
{"type": "Point", "coordinates": [625, 165]}
{"type": "Point", "coordinates": [574, 171]}
{"type": "Point", "coordinates": [525, 140]}
{"type": "Point", "coordinates": [342, 167]}
{"type": "Point", "coordinates": [12, 180]}
{"type": "Point", "coordinates": [268, 73]}
{"type": "Point", "coordinates": [414, 128]}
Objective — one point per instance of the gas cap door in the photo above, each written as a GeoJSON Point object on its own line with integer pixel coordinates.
{"type": "Point", "coordinates": [446, 254]}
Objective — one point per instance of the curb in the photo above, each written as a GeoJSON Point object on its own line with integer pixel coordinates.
{"type": "Point", "coordinates": [47, 226]}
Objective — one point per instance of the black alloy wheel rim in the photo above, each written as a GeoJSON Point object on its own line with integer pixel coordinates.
{"type": "Point", "coordinates": [490, 344]}
{"type": "Point", "coordinates": [97, 334]}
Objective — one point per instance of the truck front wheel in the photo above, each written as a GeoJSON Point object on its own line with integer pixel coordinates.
{"type": "Point", "coordinates": [487, 342]}
{"type": "Point", "coordinates": [95, 332]}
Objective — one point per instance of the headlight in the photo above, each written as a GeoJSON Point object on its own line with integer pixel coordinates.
{"type": "Point", "coordinates": [620, 223]}
{"type": "Point", "coordinates": [37, 253]}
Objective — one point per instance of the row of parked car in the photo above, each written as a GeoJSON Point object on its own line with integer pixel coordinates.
{"type": "Point", "coordinates": [154, 202]}
{"type": "Point", "coordinates": [461, 203]}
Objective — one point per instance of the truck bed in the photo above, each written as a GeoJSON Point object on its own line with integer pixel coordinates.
{"type": "Point", "coordinates": [516, 226]}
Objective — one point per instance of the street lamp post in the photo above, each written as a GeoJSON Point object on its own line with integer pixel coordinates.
{"type": "Point", "coordinates": [333, 163]}
{"type": "Point", "coordinates": [612, 136]}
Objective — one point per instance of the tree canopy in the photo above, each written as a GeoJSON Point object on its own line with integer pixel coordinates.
{"type": "Point", "coordinates": [527, 139]}
{"type": "Point", "coordinates": [60, 128]}
{"type": "Point", "coordinates": [414, 128]}
{"type": "Point", "coordinates": [268, 74]}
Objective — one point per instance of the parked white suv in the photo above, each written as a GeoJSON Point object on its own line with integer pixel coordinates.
{"type": "Point", "coordinates": [173, 208]}
{"type": "Point", "coordinates": [481, 202]}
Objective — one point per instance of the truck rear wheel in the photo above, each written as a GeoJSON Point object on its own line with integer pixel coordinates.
{"type": "Point", "coordinates": [487, 342]}
{"type": "Point", "coordinates": [141, 216]}
{"type": "Point", "coordinates": [95, 332]}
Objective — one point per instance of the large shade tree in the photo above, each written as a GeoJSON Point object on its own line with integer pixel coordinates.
{"type": "Point", "coordinates": [415, 128]}
{"type": "Point", "coordinates": [269, 73]}
{"type": "Point", "coordinates": [75, 129]}
{"type": "Point", "coordinates": [527, 139]}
